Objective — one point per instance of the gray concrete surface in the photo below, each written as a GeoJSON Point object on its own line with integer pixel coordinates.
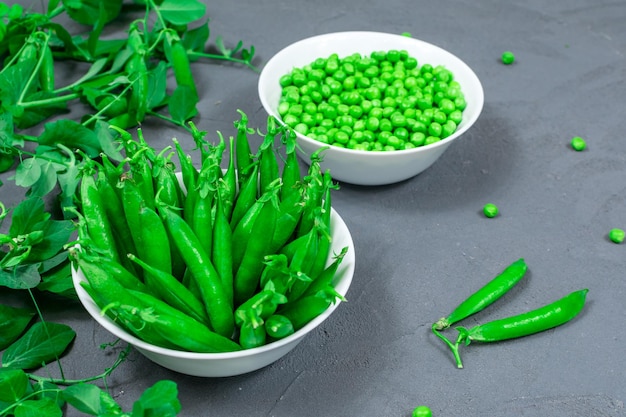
{"type": "Point", "coordinates": [423, 245]}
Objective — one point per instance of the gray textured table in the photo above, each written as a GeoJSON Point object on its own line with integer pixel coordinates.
{"type": "Point", "coordinates": [423, 245]}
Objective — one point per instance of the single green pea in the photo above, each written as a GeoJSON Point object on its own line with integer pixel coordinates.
{"type": "Point", "coordinates": [385, 125]}
{"type": "Point", "coordinates": [291, 120]}
{"type": "Point", "coordinates": [578, 143]}
{"type": "Point", "coordinates": [434, 129]}
{"type": "Point", "coordinates": [617, 235]}
{"type": "Point", "coordinates": [285, 80]}
{"type": "Point", "coordinates": [448, 128]}
{"type": "Point", "coordinates": [421, 411]}
{"type": "Point", "coordinates": [431, 139]}
{"type": "Point", "coordinates": [341, 137]}
{"type": "Point", "coordinates": [456, 116]}
{"type": "Point", "coordinates": [490, 210]}
{"type": "Point", "coordinates": [418, 139]}
{"type": "Point", "coordinates": [401, 133]}
{"type": "Point", "coordinates": [283, 108]}
{"type": "Point", "coordinates": [410, 63]}
{"type": "Point", "coordinates": [440, 117]}
{"type": "Point", "coordinates": [508, 57]}
{"type": "Point", "coordinates": [301, 128]}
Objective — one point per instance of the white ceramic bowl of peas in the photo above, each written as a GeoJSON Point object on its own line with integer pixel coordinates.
{"type": "Point", "coordinates": [239, 362]}
{"type": "Point", "coordinates": [352, 162]}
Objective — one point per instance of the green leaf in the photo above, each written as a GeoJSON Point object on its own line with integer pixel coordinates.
{"type": "Point", "coordinates": [84, 397]}
{"type": "Point", "coordinates": [196, 39]}
{"type": "Point", "coordinates": [182, 104]}
{"type": "Point", "coordinates": [182, 12]}
{"type": "Point", "coordinates": [157, 85]}
{"type": "Point", "coordinates": [161, 400]}
{"type": "Point", "coordinates": [107, 141]}
{"type": "Point", "coordinates": [20, 277]}
{"type": "Point", "coordinates": [28, 172]}
{"type": "Point", "coordinates": [35, 114]}
{"type": "Point", "coordinates": [28, 216]}
{"type": "Point", "coordinates": [42, 343]}
{"type": "Point", "coordinates": [13, 321]}
{"type": "Point", "coordinates": [13, 384]}
{"type": "Point", "coordinates": [44, 407]}
{"type": "Point", "coordinates": [87, 12]}
{"type": "Point", "coordinates": [71, 134]}
{"type": "Point", "coordinates": [46, 182]}
{"type": "Point", "coordinates": [57, 233]}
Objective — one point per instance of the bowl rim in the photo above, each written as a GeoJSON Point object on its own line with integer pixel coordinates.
{"type": "Point", "coordinates": [347, 264]}
{"type": "Point", "coordinates": [479, 98]}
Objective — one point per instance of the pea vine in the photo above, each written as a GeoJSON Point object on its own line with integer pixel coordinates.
{"type": "Point", "coordinates": [146, 73]}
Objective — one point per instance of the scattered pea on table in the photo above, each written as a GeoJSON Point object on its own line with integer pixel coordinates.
{"type": "Point", "coordinates": [422, 411]}
{"type": "Point", "coordinates": [490, 210]}
{"type": "Point", "coordinates": [617, 235]}
{"type": "Point", "coordinates": [508, 58]}
{"type": "Point", "coordinates": [578, 143]}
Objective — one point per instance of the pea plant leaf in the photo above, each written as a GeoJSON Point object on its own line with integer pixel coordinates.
{"type": "Point", "coordinates": [181, 12]}
{"type": "Point", "coordinates": [72, 135]}
{"type": "Point", "coordinates": [42, 343]}
{"type": "Point", "coordinates": [20, 277]}
{"type": "Point", "coordinates": [13, 384]}
{"type": "Point", "coordinates": [157, 85]}
{"type": "Point", "coordinates": [84, 397]}
{"type": "Point", "coordinates": [28, 215]}
{"type": "Point", "coordinates": [13, 322]}
{"type": "Point", "coordinates": [196, 39]}
{"type": "Point", "coordinates": [87, 12]}
{"type": "Point", "coordinates": [44, 407]}
{"type": "Point", "coordinates": [27, 173]}
{"type": "Point", "coordinates": [161, 399]}
{"type": "Point", "coordinates": [182, 104]}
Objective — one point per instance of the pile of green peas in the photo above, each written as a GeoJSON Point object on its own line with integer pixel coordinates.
{"type": "Point", "coordinates": [380, 102]}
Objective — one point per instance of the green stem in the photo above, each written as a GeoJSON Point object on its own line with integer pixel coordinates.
{"type": "Point", "coordinates": [32, 297]}
{"type": "Point", "coordinates": [193, 54]}
{"type": "Point", "coordinates": [453, 347]}
{"type": "Point", "coordinates": [62, 381]}
{"type": "Point", "coordinates": [169, 119]}
{"type": "Point", "coordinates": [48, 101]}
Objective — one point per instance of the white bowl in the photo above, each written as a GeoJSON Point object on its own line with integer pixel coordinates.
{"type": "Point", "coordinates": [369, 167]}
{"type": "Point", "coordinates": [231, 363]}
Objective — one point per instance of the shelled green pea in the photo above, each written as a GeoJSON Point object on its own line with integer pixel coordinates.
{"type": "Point", "coordinates": [383, 101]}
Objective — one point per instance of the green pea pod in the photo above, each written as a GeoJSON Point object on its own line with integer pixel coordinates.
{"type": "Point", "coordinates": [243, 154]}
{"type": "Point", "coordinates": [155, 247]}
{"type": "Point", "coordinates": [315, 185]}
{"type": "Point", "coordinates": [291, 170]}
{"type": "Point", "coordinates": [302, 311]}
{"type": "Point", "coordinates": [199, 262]}
{"type": "Point", "coordinates": [252, 332]}
{"type": "Point", "coordinates": [486, 295]}
{"type": "Point", "coordinates": [302, 262]}
{"type": "Point", "coordinates": [269, 170]}
{"type": "Point", "coordinates": [190, 179]}
{"type": "Point", "coordinates": [221, 249]}
{"type": "Point", "coordinates": [180, 64]}
{"type": "Point", "coordinates": [201, 222]}
{"type": "Point", "coordinates": [246, 197]}
{"type": "Point", "coordinates": [46, 71]}
{"type": "Point", "coordinates": [114, 270]}
{"type": "Point", "coordinates": [278, 326]}
{"type": "Point", "coordinates": [115, 214]}
{"type": "Point", "coordinates": [166, 183]}
{"type": "Point", "coordinates": [227, 187]}
{"type": "Point", "coordinates": [325, 240]}
{"type": "Point", "coordinates": [173, 292]}
{"type": "Point", "coordinates": [107, 288]}
{"type": "Point", "coordinates": [243, 231]}
{"type": "Point", "coordinates": [327, 276]}
{"type": "Point", "coordinates": [180, 329]}
{"type": "Point", "coordinates": [547, 317]}
{"type": "Point", "coordinates": [264, 303]}
{"type": "Point", "coordinates": [94, 213]}
{"type": "Point", "coordinates": [290, 213]}
{"type": "Point", "coordinates": [248, 273]}
{"type": "Point", "coordinates": [138, 74]}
